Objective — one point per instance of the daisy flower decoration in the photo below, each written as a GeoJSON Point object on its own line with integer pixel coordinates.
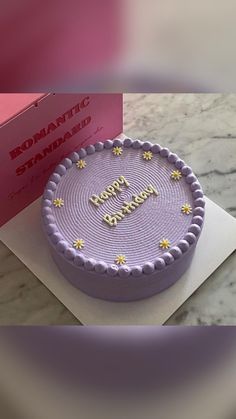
{"type": "Point", "coordinates": [117, 151]}
{"type": "Point", "coordinates": [81, 164]}
{"type": "Point", "coordinates": [186, 209]}
{"type": "Point", "coordinates": [147, 155]}
{"type": "Point", "coordinates": [78, 244]}
{"type": "Point", "coordinates": [164, 244]}
{"type": "Point", "coordinates": [176, 175]}
{"type": "Point", "coordinates": [58, 202]}
{"type": "Point", "coordinates": [120, 259]}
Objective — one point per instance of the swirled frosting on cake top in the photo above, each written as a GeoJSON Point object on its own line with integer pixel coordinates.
{"type": "Point", "coordinates": [120, 203]}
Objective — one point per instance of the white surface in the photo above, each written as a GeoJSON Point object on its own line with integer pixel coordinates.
{"type": "Point", "coordinates": [24, 237]}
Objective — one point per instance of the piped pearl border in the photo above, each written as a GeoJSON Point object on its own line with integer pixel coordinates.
{"type": "Point", "coordinates": [101, 267]}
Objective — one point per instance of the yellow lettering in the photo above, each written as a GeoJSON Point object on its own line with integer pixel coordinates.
{"type": "Point", "coordinates": [116, 186]}
{"type": "Point", "coordinates": [127, 207]}
{"type": "Point", "coordinates": [104, 195]}
{"type": "Point", "coordinates": [111, 190]}
{"type": "Point", "coordinates": [151, 189]}
{"type": "Point", "coordinates": [138, 199]}
{"type": "Point", "coordinates": [123, 180]}
{"type": "Point", "coordinates": [112, 221]}
{"type": "Point", "coordinates": [95, 200]}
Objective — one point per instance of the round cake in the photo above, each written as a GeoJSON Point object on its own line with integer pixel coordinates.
{"type": "Point", "coordinates": [123, 218]}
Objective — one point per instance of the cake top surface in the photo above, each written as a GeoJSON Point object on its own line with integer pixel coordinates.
{"type": "Point", "coordinates": [123, 205]}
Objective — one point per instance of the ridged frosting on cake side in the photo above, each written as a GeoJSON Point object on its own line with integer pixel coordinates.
{"type": "Point", "coordinates": [123, 207]}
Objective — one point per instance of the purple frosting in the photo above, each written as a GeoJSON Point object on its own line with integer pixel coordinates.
{"type": "Point", "coordinates": [124, 271]}
{"type": "Point", "coordinates": [61, 169]}
{"type": "Point", "coordinates": [55, 178]}
{"type": "Point", "coordinates": [164, 152]}
{"type": "Point", "coordinates": [127, 142]}
{"type": "Point", "coordinates": [198, 193]}
{"type": "Point", "coordinates": [90, 149]}
{"type": "Point", "coordinates": [199, 202]}
{"type": "Point", "coordinates": [46, 210]}
{"type": "Point", "coordinates": [74, 157]}
{"type": "Point", "coordinates": [117, 142]}
{"type": "Point", "coordinates": [159, 263]}
{"type": "Point", "coordinates": [148, 268]}
{"type": "Point", "coordinates": [195, 229]}
{"type": "Point", "coordinates": [82, 153]}
{"type": "Point", "coordinates": [62, 246]}
{"type": "Point", "coordinates": [179, 164]}
{"type": "Point", "coordinates": [100, 267]}
{"type": "Point", "coordinates": [99, 146]}
{"type": "Point", "coordinates": [172, 158]}
{"type": "Point", "coordinates": [168, 258]}
{"type": "Point", "coordinates": [51, 228]}
{"type": "Point", "coordinates": [70, 254]}
{"type": "Point", "coordinates": [137, 235]}
{"type": "Point", "coordinates": [90, 264]}
{"type": "Point", "coordinates": [198, 211]}
{"type": "Point", "coordinates": [147, 145]}
{"type": "Point", "coordinates": [51, 185]}
{"type": "Point", "coordinates": [191, 178]}
{"type": "Point", "coordinates": [67, 163]}
{"type": "Point", "coordinates": [112, 270]}
{"type": "Point", "coordinates": [183, 245]}
{"type": "Point", "coordinates": [194, 186]}
{"type": "Point", "coordinates": [176, 252]}
{"type": "Point", "coordinates": [108, 144]}
{"type": "Point", "coordinates": [47, 204]}
{"type": "Point", "coordinates": [156, 148]}
{"type": "Point", "coordinates": [137, 144]}
{"type": "Point", "coordinates": [197, 220]}
{"type": "Point", "coordinates": [190, 237]}
{"type": "Point", "coordinates": [79, 260]}
{"type": "Point", "coordinates": [56, 237]}
{"type": "Point", "coordinates": [79, 218]}
{"type": "Point", "coordinates": [137, 270]}
{"type": "Point", "coordinates": [49, 219]}
{"type": "Point", "coordinates": [186, 170]}
{"type": "Point", "coordinates": [48, 194]}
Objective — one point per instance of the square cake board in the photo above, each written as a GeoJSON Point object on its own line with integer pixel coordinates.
{"type": "Point", "coordinates": [23, 235]}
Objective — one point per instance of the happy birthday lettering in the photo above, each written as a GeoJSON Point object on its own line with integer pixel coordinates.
{"type": "Point", "coordinates": [128, 207]}
{"type": "Point", "coordinates": [110, 191]}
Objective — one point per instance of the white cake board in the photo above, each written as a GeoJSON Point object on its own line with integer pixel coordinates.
{"type": "Point", "coordinates": [24, 237]}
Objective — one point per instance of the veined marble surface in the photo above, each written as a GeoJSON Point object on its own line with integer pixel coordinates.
{"type": "Point", "coordinates": [201, 128]}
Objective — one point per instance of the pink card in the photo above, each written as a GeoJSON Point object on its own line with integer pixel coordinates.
{"type": "Point", "coordinates": [39, 130]}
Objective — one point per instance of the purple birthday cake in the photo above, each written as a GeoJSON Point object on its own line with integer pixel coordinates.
{"type": "Point", "coordinates": [123, 218]}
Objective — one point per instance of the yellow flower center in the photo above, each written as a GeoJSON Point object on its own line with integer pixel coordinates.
{"type": "Point", "coordinates": [186, 209]}
{"type": "Point", "coordinates": [147, 155]}
{"type": "Point", "coordinates": [120, 259]}
{"type": "Point", "coordinates": [176, 175]}
{"type": "Point", "coordinates": [81, 164]}
{"type": "Point", "coordinates": [78, 244]}
{"type": "Point", "coordinates": [58, 202]}
{"type": "Point", "coordinates": [164, 244]}
{"type": "Point", "coordinates": [117, 151]}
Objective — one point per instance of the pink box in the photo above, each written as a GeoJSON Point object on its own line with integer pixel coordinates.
{"type": "Point", "coordinates": [59, 44]}
{"type": "Point", "coordinates": [39, 130]}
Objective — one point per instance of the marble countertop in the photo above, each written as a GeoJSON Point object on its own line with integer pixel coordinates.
{"type": "Point", "coordinates": [201, 128]}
